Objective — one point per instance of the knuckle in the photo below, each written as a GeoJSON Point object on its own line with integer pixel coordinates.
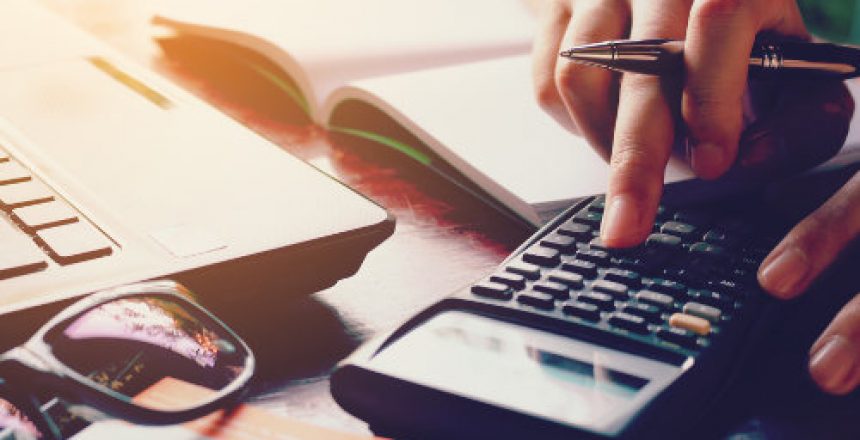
{"type": "Point", "coordinates": [712, 114]}
{"type": "Point", "coordinates": [553, 9]}
{"type": "Point", "coordinates": [603, 7]}
{"type": "Point", "coordinates": [634, 163]}
{"type": "Point", "coordinates": [545, 92]}
{"type": "Point", "coordinates": [575, 80]}
{"type": "Point", "coordinates": [821, 248]}
{"type": "Point", "coordinates": [566, 75]}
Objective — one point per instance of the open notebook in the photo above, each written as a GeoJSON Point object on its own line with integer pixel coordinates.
{"type": "Point", "coordinates": [451, 75]}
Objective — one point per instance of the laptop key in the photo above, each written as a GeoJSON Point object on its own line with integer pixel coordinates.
{"type": "Point", "coordinates": [74, 242]}
{"type": "Point", "coordinates": [22, 194]}
{"type": "Point", "coordinates": [44, 215]}
{"type": "Point", "coordinates": [20, 255]}
{"type": "Point", "coordinates": [12, 172]}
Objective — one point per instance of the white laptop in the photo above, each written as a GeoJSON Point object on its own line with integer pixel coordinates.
{"type": "Point", "coordinates": [110, 174]}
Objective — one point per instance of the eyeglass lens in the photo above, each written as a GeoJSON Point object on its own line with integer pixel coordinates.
{"type": "Point", "coordinates": [15, 424]}
{"type": "Point", "coordinates": [138, 344]}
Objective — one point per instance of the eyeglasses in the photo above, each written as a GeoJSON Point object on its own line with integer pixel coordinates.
{"type": "Point", "coordinates": [102, 352]}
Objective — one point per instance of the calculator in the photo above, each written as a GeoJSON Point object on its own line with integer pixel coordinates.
{"type": "Point", "coordinates": [568, 338]}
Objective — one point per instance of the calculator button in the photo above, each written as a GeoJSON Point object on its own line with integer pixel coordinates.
{"type": "Point", "coordinates": [692, 217]}
{"type": "Point", "coordinates": [629, 322]}
{"type": "Point", "coordinates": [692, 323]}
{"type": "Point", "coordinates": [597, 244]}
{"type": "Point", "coordinates": [593, 256]}
{"type": "Point", "coordinates": [542, 256]}
{"type": "Point", "coordinates": [598, 205]}
{"type": "Point", "coordinates": [592, 219]}
{"type": "Point", "coordinates": [671, 288]}
{"type": "Point", "coordinates": [663, 241]}
{"type": "Point", "coordinates": [691, 277]}
{"type": "Point", "coordinates": [712, 299]}
{"type": "Point", "coordinates": [584, 268]}
{"type": "Point", "coordinates": [493, 290]}
{"type": "Point", "coordinates": [570, 279]}
{"type": "Point", "coordinates": [729, 288]}
{"type": "Point", "coordinates": [557, 290]}
{"type": "Point", "coordinates": [12, 172]}
{"type": "Point", "coordinates": [562, 243]}
{"type": "Point", "coordinates": [679, 336]}
{"type": "Point", "coordinates": [703, 311]}
{"type": "Point", "coordinates": [708, 251]}
{"type": "Point", "coordinates": [629, 278]}
{"type": "Point", "coordinates": [582, 310]}
{"type": "Point", "coordinates": [617, 290]}
{"type": "Point", "coordinates": [719, 238]}
{"type": "Point", "coordinates": [74, 242]}
{"type": "Point", "coordinates": [678, 229]}
{"type": "Point", "coordinates": [538, 300]}
{"type": "Point", "coordinates": [602, 300]}
{"type": "Point", "coordinates": [630, 264]}
{"type": "Point", "coordinates": [44, 215]}
{"type": "Point", "coordinates": [578, 231]}
{"type": "Point", "coordinates": [741, 276]}
{"type": "Point", "coordinates": [658, 299]}
{"type": "Point", "coordinates": [23, 194]}
{"type": "Point", "coordinates": [649, 312]}
{"type": "Point", "coordinates": [510, 279]}
{"type": "Point", "coordinates": [528, 270]}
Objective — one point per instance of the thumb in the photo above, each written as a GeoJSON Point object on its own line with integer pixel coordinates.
{"type": "Point", "coordinates": [807, 125]}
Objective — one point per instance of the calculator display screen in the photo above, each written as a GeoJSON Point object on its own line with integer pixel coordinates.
{"type": "Point", "coordinates": [587, 375]}
{"type": "Point", "coordinates": [521, 369]}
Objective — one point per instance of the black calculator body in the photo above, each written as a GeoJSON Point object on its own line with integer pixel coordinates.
{"type": "Point", "coordinates": [569, 339]}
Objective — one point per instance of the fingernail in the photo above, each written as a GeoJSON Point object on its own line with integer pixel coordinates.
{"type": "Point", "coordinates": [706, 156]}
{"type": "Point", "coordinates": [832, 364]}
{"type": "Point", "coordinates": [620, 221]}
{"type": "Point", "coordinates": [785, 272]}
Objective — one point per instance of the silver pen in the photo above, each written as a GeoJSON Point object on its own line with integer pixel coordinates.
{"type": "Point", "coordinates": [782, 60]}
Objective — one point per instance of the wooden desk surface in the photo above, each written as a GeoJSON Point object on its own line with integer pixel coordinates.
{"type": "Point", "coordinates": [443, 240]}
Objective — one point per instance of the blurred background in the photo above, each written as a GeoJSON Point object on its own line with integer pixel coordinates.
{"type": "Point", "coordinates": [836, 20]}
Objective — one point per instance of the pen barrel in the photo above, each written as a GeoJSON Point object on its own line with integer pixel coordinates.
{"type": "Point", "coordinates": [651, 57]}
{"type": "Point", "coordinates": [790, 60]}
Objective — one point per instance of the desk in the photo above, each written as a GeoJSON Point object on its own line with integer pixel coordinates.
{"type": "Point", "coordinates": [444, 239]}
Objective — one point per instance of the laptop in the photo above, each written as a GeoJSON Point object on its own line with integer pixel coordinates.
{"type": "Point", "coordinates": [110, 174]}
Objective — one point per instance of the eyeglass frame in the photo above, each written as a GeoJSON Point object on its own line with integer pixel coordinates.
{"type": "Point", "coordinates": [35, 361]}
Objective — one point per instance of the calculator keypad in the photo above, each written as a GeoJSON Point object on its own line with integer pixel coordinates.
{"type": "Point", "coordinates": [676, 291]}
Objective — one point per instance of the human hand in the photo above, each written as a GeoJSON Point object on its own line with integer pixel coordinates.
{"type": "Point", "coordinates": [806, 251]}
{"type": "Point", "coordinates": [632, 120]}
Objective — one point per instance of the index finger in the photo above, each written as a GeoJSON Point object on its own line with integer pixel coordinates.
{"type": "Point", "coordinates": [644, 132]}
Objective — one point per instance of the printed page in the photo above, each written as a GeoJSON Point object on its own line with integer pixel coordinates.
{"type": "Point", "coordinates": [336, 41]}
{"type": "Point", "coordinates": [484, 120]}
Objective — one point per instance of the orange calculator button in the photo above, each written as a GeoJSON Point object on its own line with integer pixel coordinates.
{"type": "Point", "coordinates": [691, 323]}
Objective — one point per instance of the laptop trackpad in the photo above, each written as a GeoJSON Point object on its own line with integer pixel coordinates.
{"type": "Point", "coordinates": [159, 164]}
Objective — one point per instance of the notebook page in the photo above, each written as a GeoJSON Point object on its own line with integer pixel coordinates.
{"type": "Point", "coordinates": [337, 41]}
{"type": "Point", "coordinates": [484, 120]}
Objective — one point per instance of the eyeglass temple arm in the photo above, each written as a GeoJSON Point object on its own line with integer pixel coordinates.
{"type": "Point", "coordinates": [20, 360]}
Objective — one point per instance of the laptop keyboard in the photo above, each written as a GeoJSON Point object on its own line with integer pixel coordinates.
{"type": "Point", "coordinates": [40, 228]}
